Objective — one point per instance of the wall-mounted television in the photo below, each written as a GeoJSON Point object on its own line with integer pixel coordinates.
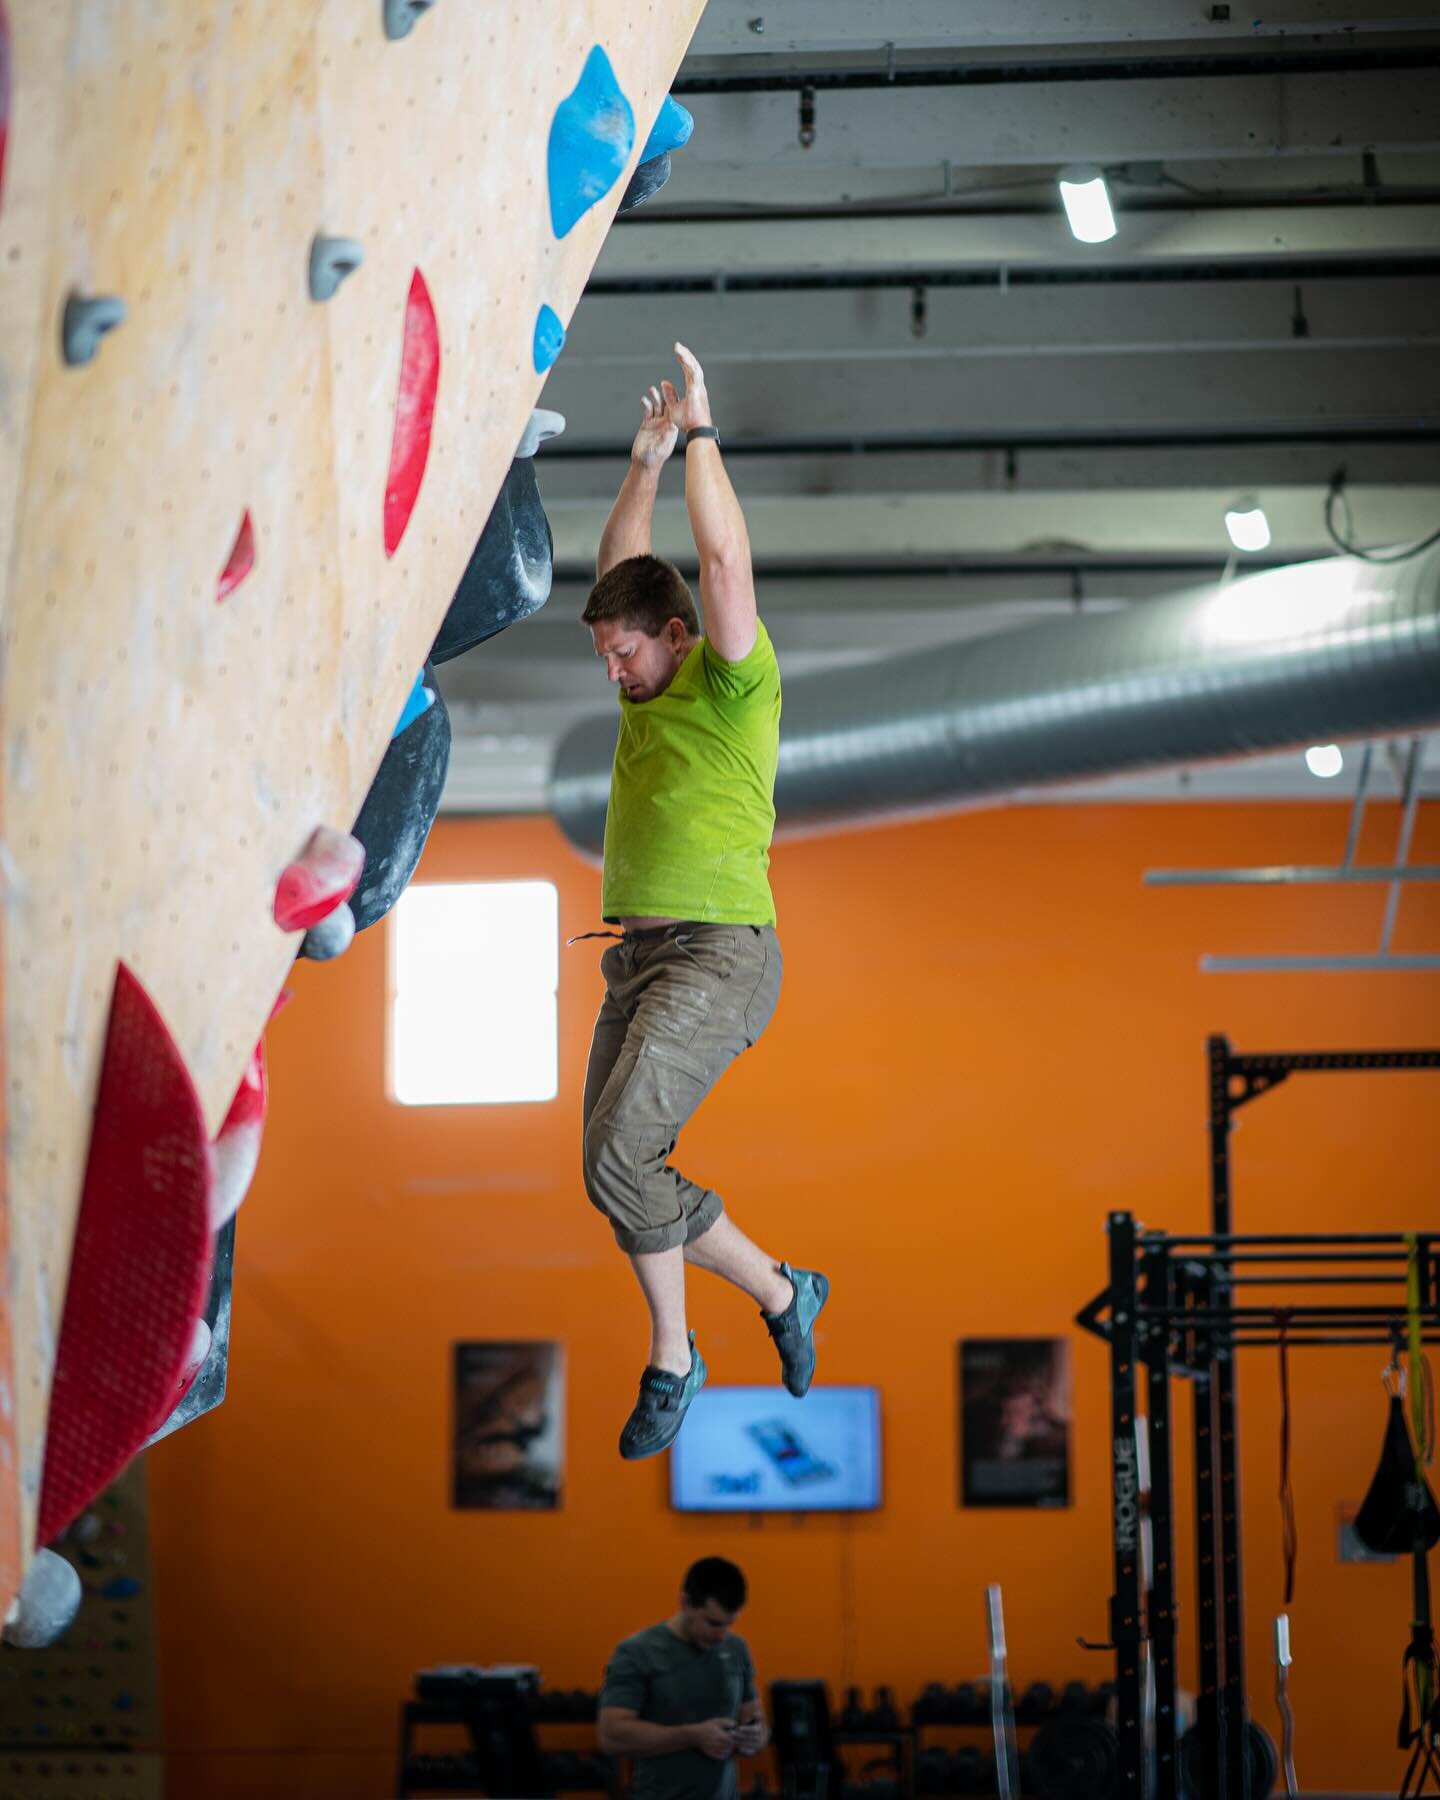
{"type": "Point", "coordinates": [758, 1449]}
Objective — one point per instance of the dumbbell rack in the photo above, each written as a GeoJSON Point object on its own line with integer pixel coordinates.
{"type": "Point", "coordinates": [1170, 1307]}
{"type": "Point", "coordinates": [459, 1773]}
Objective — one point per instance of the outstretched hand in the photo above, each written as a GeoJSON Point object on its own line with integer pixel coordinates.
{"type": "Point", "coordinates": [657, 435]}
{"type": "Point", "coordinates": [686, 411]}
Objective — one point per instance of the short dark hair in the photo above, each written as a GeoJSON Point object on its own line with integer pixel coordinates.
{"type": "Point", "coordinates": [713, 1578]}
{"type": "Point", "coordinates": [644, 592]}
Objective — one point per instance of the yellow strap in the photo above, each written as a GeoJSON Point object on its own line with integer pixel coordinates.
{"type": "Point", "coordinates": [1424, 1672]}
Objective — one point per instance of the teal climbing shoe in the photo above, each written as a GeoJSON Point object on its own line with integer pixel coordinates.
{"type": "Point", "coordinates": [660, 1410]}
{"type": "Point", "coordinates": [793, 1329]}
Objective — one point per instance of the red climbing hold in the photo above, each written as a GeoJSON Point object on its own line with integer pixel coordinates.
{"type": "Point", "coordinates": [141, 1265]}
{"type": "Point", "coordinates": [241, 562]}
{"type": "Point", "coordinates": [414, 412]}
{"type": "Point", "coordinates": [323, 876]}
{"type": "Point", "coordinates": [4, 90]}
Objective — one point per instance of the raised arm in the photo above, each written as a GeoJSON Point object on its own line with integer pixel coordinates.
{"type": "Point", "coordinates": [727, 582]}
{"type": "Point", "coordinates": [627, 530]}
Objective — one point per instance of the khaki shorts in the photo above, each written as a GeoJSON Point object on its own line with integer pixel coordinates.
{"type": "Point", "coordinates": [681, 1003]}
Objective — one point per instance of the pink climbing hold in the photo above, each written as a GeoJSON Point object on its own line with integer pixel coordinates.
{"type": "Point", "coordinates": [241, 560]}
{"type": "Point", "coordinates": [141, 1265]}
{"type": "Point", "coordinates": [323, 876]}
{"type": "Point", "coordinates": [237, 1144]}
{"type": "Point", "coordinates": [414, 412]}
{"type": "Point", "coordinates": [200, 1343]}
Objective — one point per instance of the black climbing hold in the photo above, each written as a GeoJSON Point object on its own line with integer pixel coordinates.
{"type": "Point", "coordinates": [400, 808]}
{"type": "Point", "coordinates": [83, 324]}
{"type": "Point", "coordinates": [207, 1391]}
{"type": "Point", "coordinates": [508, 575]}
{"type": "Point", "coordinates": [331, 260]}
{"type": "Point", "coordinates": [644, 184]}
{"type": "Point", "coordinates": [400, 16]}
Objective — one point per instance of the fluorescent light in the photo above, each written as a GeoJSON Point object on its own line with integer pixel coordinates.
{"type": "Point", "coordinates": [1324, 760]}
{"type": "Point", "coordinates": [1246, 522]}
{"type": "Point", "coordinates": [1087, 204]}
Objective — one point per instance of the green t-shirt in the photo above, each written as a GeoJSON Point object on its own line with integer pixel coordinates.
{"type": "Point", "coordinates": [665, 1681]}
{"type": "Point", "coordinates": [692, 794]}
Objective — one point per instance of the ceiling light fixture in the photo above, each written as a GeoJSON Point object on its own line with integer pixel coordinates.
{"type": "Point", "coordinates": [1324, 760]}
{"type": "Point", "coordinates": [1246, 523]}
{"type": "Point", "coordinates": [1087, 203]}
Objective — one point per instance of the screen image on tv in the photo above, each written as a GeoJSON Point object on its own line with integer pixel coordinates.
{"type": "Point", "coordinates": [758, 1449]}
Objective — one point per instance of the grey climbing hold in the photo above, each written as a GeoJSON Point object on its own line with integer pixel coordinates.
{"type": "Point", "coordinates": [46, 1606]}
{"type": "Point", "coordinates": [542, 424]}
{"type": "Point", "coordinates": [84, 323]}
{"type": "Point", "coordinates": [331, 937]}
{"type": "Point", "coordinates": [645, 183]}
{"type": "Point", "coordinates": [331, 260]}
{"type": "Point", "coordinates": [400, 16]}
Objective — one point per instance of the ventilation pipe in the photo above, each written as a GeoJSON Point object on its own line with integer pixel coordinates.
{"type": "Point", "coordinates": [1291, 656]}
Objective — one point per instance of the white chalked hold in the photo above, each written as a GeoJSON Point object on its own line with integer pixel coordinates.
{"type": "Point", "coordinates": [331, 937]}
{"type": "Point", "coordinates": [47, 1604]}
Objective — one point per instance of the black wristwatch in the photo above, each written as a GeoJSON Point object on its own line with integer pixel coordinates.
{"type": "Point", "coordinates": [701, 431]}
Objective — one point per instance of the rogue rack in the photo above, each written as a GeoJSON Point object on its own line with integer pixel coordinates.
{"type": "Point", "coordinates": [1181, 1306]}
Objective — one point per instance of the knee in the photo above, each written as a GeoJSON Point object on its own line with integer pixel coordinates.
{"type": "Point", "coordinates": [604, 1165]}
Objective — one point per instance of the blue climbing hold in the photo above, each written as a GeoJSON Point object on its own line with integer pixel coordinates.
{"type": "Point", "coordinates": [549, 338]}
{"type": "Point", "coordinates": [123, 1587]}
{"type": "Point", "coordinates": [671, 129]}
{"type": "Point", "coordinates": [421, 700]}
{"type": "Point", "coordinates": [591, 137]}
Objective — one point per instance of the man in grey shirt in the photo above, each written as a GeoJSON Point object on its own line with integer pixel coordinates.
{"type": "Point", "coordinates": [679, 1697]}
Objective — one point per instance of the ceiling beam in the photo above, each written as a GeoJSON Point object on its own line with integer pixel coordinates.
{"type": "Point", "coordinates": [1104, 121]}
{"type": "Point", "coordinates": [818, 26]}
{"type": "Point", "coordinates": [783, 252]}
{"type": "Point", "coordinates": [837, 529]}
{"type": "Point", "coordinates": [889, 73]}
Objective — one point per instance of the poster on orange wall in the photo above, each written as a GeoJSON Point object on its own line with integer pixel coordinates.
{"type": "Point", "coordinates": [509, 1427]}
{"type": "Point", "coordinates": [1015, 1419]}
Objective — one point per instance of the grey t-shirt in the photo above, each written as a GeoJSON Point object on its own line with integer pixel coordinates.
{"type": "Point", "coordinates": [665, 1681]}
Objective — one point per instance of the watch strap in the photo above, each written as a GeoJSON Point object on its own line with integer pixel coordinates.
{"type": "Point", "coordinates": [701, 431]}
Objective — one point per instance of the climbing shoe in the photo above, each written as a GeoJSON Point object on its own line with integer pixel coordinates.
{"type": "Point", "coordinates": [660, 1410]}
{"type": "Point", "coordinates": [793, 1329]}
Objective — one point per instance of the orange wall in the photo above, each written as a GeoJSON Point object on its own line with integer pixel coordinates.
{"type": "Point", "coordinates": [990, 1034]}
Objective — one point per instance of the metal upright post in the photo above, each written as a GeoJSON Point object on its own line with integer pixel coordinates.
{"type": "Point", "coordinates": [1160, 1620]}
{"type": "Point", "coordinates": [1209, 1701]}
{"type": "Point", "coordinates": [1126, 1629]}
{"type": "Point", "coordinates": [1232, 1749]}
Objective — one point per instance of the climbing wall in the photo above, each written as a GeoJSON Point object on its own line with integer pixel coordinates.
{"type": "Point", "coordinates": [230, 529]}
{"type": "Point", "coordinates": [82, 1718]}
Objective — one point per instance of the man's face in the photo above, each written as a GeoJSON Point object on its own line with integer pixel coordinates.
{"type": "Point", "coordinates": [706, 1626]}
{"type": "Point", "coordinates": [643, 666]}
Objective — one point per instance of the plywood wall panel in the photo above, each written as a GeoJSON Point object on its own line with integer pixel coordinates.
{"type": "Point", "coordinates": [164, 755]}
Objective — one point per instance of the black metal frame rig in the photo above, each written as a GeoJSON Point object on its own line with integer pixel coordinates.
{"type": "Point", "coordinates": [1170, 1308]}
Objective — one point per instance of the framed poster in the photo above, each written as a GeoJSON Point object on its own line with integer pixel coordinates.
{"type": "Point", "coordinates": [508, 1453]}
{"type": "Point", "coordinates": [1015, 1422]}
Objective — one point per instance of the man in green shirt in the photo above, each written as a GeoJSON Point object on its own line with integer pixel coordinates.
{"type": "Point", "coordinates": [680, 1699]}
{"type": "Point", "coordinates": [695, 976]}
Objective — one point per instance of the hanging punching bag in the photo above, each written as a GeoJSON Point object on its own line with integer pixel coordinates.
{"type": "Point", "coordinates": [1398, 1513]}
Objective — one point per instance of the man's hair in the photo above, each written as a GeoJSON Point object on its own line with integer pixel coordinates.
{"type": "Point", "coordinates": [712, 1578]}
{"type": "Point", "coordinates": [643, 592]}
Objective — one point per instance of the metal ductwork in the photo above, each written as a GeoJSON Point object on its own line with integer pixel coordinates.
{"type": "Point", "coordinates": [1332, 649]}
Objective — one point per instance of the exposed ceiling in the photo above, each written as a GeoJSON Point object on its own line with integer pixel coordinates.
{"type": "Point", "coordinates": [945, 416]}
